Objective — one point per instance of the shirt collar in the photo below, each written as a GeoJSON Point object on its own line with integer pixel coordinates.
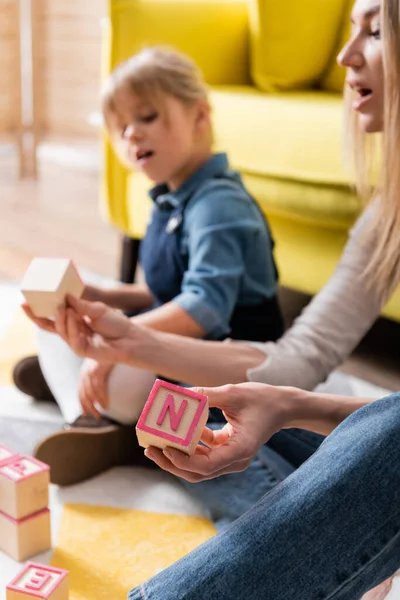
{"type": "Point", "coordinates": [216, 165]}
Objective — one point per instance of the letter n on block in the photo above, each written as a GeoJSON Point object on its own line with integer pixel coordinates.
{"type": "Point", "coordinates": [39, 581]}
{"type": "Point", "coordinates": [172, 416]}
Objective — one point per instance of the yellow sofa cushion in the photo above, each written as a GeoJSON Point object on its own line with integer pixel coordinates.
{"type": "Point", "coordinates": [333, 81]}
{"type": "Point", "coordinates": [292, 41]}
{"type": "Point", "coordinates": [294, 135]}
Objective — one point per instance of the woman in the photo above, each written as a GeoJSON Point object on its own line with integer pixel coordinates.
{"type": "Point", "coordinates": [332, 529]}
{"type": "Point", "coordinates": [336, 319]}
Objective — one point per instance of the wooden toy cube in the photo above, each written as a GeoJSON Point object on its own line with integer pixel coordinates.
{"type": "Point", "coordinates": [6, 454]}
{"type": "Point", "coordinates": [172, 416]}
{"type": "Point", "coordinates": [39, 581]}
{"type": "Point", "coordinates": [24, 486]}
{"type": "Point", "coordinates": [47, 281]}
{"type": "Point", "coordinates": [24, 538]}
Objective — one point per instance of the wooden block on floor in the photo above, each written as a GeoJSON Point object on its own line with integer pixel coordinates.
{"type": "Point", "coordinates": [172, 416]}
{"type": "Point", "coordinates": [47, 281]}
{"type": "Point", "coordinates": [39, 581]}
{"type": "Point", "coordinates": [24, 486]}
{"type": "Point", "coordinates": [21, 539]}
{"type": "Point", "coordinates": [6, 455]}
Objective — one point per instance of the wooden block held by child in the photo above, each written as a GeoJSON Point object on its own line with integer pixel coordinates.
{"type": "Point", "coordinates": [39, 581]}
{"type": "Point", "coordinates": [172, 416]}
{"type": "Point", "coordinates": [24, 486]}
{"type": "Point", "coordinates": [46, 283]}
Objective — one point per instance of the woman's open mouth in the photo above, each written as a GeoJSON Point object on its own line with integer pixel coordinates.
{"type": "Point", "coordinates": [363, 97]}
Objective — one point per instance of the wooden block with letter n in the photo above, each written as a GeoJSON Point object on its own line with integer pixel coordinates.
{"type": "Point", "coordinates": [172, 416]}
{"type": "Point", "coordinates": [39, 581]}
{"type": "Point", "coordinates": [46, 283]}
{"type": "Point", "coordinates": [23, 538]}
{"type": "Point", "coordinates": [24, 486]}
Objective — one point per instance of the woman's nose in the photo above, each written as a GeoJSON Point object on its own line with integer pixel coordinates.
{"type": "Point", "coordinates": [351, 56]}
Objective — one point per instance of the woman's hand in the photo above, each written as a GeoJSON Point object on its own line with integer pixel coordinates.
{"type": "Point", "coordinates": [93, 388]}
{"type": "Point", "coordinates": [91, 329]}
{"type": "Point", "coordinates": [254, 412]}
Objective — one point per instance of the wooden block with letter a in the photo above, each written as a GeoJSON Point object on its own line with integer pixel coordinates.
{"type": "Point", "coordinates": [23, 538]}
{"type": "Point", "coordinates": [39, 581]}
{"type": "Point", "coordinates": [46, 283]}
{"type": "Point", "coordinates": [24, 486]}
{"type": "Point", "coordinates": [172, 416]}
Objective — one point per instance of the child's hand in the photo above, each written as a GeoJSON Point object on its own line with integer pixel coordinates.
{"type": "Point", "coordinates": [93, 388]}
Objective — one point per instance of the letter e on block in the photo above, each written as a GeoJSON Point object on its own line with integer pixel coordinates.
{"type": "Point", "coordinates": [172, 416]}
{"type": "Point", "coordinates": [39, 581]}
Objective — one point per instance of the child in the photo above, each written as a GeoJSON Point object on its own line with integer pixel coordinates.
{"type": "Point", "coordinates": [206, 256]}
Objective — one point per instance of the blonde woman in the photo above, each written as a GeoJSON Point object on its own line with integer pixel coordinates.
{"type": "Point", "coordinates": [332, 529]}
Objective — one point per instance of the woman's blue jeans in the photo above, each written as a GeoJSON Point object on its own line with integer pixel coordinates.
{"type": "Point", "coordinates": [331, 530]}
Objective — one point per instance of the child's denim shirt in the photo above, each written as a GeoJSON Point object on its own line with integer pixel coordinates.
{"type": "Point", "coordinates": [225, 242]}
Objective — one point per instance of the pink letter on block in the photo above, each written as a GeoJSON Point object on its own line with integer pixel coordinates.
{"type": "Point", "coordinates": [174, 418]}
{"type": "Point", "coordinates": [6, 455]}
{"type": "Point", "coordinates": [39, 581]}
{"type": "Point", "coordinates": [187, 411]}
{"type": "Point", "coordinates": [22, 467]}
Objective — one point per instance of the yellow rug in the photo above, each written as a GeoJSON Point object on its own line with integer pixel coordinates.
{"type": "Point", "coordinates": [19, 341]}
{"type": "Point", "coordinates": [108, 551]}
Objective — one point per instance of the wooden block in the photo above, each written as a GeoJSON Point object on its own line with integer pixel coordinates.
{"type": "Point", "coordinates": [47, 281]}
{"type": "Point", "coordinates": [6, 455]}
{"type": "Point", "coordinates": [172, 416]}
{"type": "Point", "coordinates": [39, 581]}
{"type": "Point", "coordinates": [21, 539]}
{"type": "Point", "coordinates": [24, 486]}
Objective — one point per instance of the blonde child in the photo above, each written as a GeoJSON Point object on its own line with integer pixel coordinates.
{"type": "Point", "coordinates": [206, 256]}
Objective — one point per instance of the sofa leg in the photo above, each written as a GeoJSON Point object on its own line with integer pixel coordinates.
{"type": "Point", "coordinates": [129, 259]}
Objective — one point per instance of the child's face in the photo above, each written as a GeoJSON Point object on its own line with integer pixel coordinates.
{"type": "Point", "coordinates": [164, 145]}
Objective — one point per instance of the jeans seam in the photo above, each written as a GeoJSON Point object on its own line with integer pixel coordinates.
{"type": "Point", "coordinates": [141, 591]}
{"type": "Point", "coordinates": [360, 571]}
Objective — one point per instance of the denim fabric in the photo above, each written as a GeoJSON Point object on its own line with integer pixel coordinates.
{"type": "Point", "coordinates": [331, 530]}
{"type": "Point", "coordinates": [230, 496]}
{"type": "Point", "coordinates": [225, 242]}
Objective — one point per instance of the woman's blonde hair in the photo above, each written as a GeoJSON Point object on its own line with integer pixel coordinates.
{"type": "Point", "coordinates": [154, 71]}
{"type": "Point", "coordinates": [385, 228]}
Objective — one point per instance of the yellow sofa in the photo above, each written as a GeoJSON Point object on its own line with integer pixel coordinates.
{"type": "Point", "coordinates": [283, 132]}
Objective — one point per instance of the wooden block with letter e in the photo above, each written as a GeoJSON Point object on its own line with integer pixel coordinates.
{"type": "Point", "coordinates": [172, 416]}
{"type": "Point", "coordinates": [39, 581]}
{"type": "Point", "coordinates": [24, 486]}
{"type": "Point", "coordinates": [46, 283]}
{"type": "Point", "coordinates": [23, 538]}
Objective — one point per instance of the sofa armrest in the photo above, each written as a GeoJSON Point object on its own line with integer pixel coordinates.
{"type": "Point", "coordinates": [213, 32]}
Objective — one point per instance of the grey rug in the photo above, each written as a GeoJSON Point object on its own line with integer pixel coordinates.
{"type": "Point", "coordinates": [22, 435]}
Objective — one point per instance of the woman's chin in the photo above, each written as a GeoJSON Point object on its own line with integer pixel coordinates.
{"type": "Point", "coordinates": [370, 124]}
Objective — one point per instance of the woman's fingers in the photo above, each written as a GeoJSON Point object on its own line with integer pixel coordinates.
{"type": "Point", "coordinates": [158, 456]}
{"type": "Point", "coordinates": [207, 465]}
{"type": "Point", "coordinates": [46, 324]}
{"type": "Point", "coordinates": [216, 437]}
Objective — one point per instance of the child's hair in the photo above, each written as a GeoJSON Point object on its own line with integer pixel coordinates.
{"type": "Point", "coordinates": [153, 71]}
